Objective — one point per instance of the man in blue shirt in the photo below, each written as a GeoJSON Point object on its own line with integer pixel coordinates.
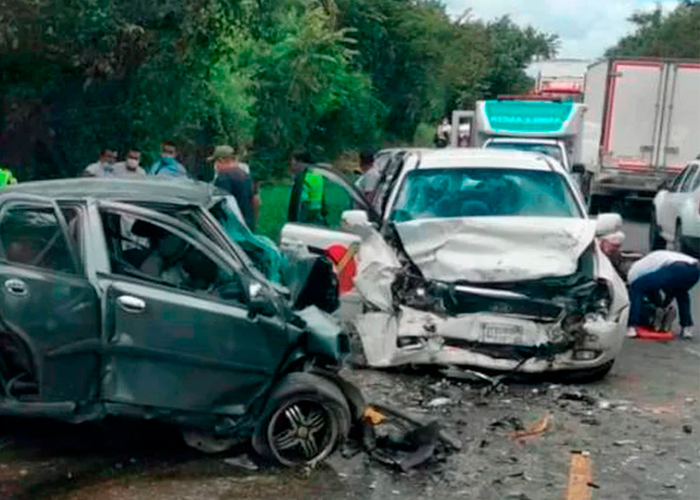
{"type": "Point", "coordinates": [168, 166]}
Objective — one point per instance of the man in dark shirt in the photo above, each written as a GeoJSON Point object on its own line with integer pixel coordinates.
{"type": "Point", "coordinates": [233, 179]}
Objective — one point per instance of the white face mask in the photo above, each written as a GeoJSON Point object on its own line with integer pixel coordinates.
{"type": "Point", "coordinates": [132, 163]}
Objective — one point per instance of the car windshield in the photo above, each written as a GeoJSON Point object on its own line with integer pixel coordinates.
{"type": "Point", "coordinates": [484, 192]}
{"type": "Point", "coordinates": [551, 150]}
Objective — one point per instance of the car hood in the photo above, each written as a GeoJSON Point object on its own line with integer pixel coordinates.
{"type": "Point", "coordinates": [496, 249]}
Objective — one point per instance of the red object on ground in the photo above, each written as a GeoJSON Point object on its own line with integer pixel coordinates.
{"type": "Point", "coordinates": [346, 275]}
{"type": "Point", "coordinates": [649, 334]}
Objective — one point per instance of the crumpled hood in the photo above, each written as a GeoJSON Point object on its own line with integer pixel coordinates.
{"type": "Point", "coordinates": [496, 249]}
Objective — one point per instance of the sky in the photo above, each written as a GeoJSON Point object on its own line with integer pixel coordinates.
{"type": "Point", "coordinates": [586, 27]}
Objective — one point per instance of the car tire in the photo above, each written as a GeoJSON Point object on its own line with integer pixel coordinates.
{"type": "Point", "coordinates": [677, 244]}
{"type": "Point", "coordinates": [306, 418]}
{"type": "Point", "coordinates": [591, 375]}
{"type": "Point", "coordinates": [656, 241]}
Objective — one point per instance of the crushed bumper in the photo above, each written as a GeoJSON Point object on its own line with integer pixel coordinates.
{"type": "Point", "coordinates": [413, 337]}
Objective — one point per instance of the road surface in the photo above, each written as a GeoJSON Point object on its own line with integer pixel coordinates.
{"type": "Point", "coordinates": [641, 427]}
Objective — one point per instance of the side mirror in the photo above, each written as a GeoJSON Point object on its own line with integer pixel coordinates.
{"type": "Point", "coordinates": [607, 224]}
{"type": "Point", "coordinates": [259, 301]}
{"type": "Point", "coordinates": [355, 218]}
{"type": "Point", "coordinates": [578, 168]}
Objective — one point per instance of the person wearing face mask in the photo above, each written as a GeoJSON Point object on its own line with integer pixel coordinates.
{"type": "Point", "coordinates": [104, 166]}
{"type": "Point", "coordinates": [168, 165]}
{"type": "Point", "coordinates": [130, 168]}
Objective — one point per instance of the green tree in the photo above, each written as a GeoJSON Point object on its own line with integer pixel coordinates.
{"type": "Point", "coordinates": [676, 34]}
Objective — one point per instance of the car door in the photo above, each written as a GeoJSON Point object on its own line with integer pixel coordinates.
{"type": "Point", "coordinates": [171, 338]}
{"type": "Point", "coordinates": [49, 310]}
{"type": "Point", "coordinates": [324, 233]}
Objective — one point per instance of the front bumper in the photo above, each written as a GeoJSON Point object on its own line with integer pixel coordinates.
{"type": "Point", "coordinates": [418, 338]}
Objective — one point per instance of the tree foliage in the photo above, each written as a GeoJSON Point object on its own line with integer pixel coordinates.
{"type": "Point", "coordinates": [268, 76]}
{"type": "Point", "coordinates": [676, 34]}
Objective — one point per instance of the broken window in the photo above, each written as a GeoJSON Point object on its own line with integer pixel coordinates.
{"type": "Point", "coordinates": [32, 235]}
{"type": "Point", "coordinates": [484, 192]}
{"type": "Point", "coordinates": [142, 249]}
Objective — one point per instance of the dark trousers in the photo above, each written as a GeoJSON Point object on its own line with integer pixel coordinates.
{"type": "Point", "coordinates": [675, 281]}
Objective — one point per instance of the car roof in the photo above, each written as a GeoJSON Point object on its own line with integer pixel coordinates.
{"type": "Point", "coordinates": [484, 158]}
{"type": "Point", "coordinates": [185, 192]}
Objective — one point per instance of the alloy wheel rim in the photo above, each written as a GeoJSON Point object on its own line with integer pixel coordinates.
{"type": "Point", "coordinates": [301, 432]}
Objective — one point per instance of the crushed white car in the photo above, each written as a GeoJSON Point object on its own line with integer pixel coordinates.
{"type": "Point", "coordinates": [477, 258]}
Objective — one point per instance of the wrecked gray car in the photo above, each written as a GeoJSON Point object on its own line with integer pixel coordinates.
{"type": "Point", "coordinates": [109, 308]}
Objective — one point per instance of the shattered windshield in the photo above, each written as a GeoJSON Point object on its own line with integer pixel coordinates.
{"type": "Point", "coordinates": [484, 192]}
{"type": "Point", "coordinates": [551, 150]}
{"type": "Point", "coordinates": [261, 250]}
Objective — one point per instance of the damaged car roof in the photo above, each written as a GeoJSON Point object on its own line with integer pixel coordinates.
{"type": "Point", "coordinates": [172, 191]}
{"type": "Point", "coordinates": [484, 158]}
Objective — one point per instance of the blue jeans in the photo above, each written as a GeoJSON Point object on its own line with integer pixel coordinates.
{"type": "Point", "coordinates": [675, 281]}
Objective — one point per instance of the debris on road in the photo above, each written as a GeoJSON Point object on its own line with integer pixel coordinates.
{"type": "Point", "coordinates": [625, 442]}
{"type": "Point", "coordinates": [579, 396]}
{"type": "Point", "coordinates": [401, 441]}
{"type": "Point", "coordinates": [537, 428]}
{"type": "Point", "coordinates": [243, 462]}
{"type": "Point", "coordinates": [438, 402]}
{"type": "Point", "coordinates": [688, 429]}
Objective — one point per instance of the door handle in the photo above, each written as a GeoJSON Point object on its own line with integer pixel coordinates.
{"type": "Point", "coordinates": [16, 287]}
{"type": "Point", "coordinates": [131, 304]}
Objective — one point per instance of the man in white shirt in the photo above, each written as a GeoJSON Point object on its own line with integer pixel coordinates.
{"type": "Point", "coordinates": [671, 272]}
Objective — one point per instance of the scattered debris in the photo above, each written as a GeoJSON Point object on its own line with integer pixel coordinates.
{"type": "Point", "coordinates": [688, 429]}
{"type": "Point", "coordinates": [438, 402]}
{"type": "Point", "coordinates": [579, 396]}
{"type": "Point", "coordinates": [537, 428]}
{"type": "Point", "coordinates": [243, 462]}
{"type": "Point", "coordinates": [402, 441]}
{"type": "Point", "coordinates": [625, 442]}
{"type": "Point", "coordinates": [604, 405]}
{"type": "Point", "coordinates": [514, 423]}
{"type": "Point", "coordinates": [590, 421]}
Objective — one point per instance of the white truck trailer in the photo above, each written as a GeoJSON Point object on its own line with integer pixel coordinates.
{"type": "Point", "coordinates": [642, 126]}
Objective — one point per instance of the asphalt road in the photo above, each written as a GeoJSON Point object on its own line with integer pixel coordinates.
{"type": "Point", "coordinates": [641, 427]}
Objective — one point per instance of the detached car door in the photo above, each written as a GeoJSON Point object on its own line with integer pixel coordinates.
{"type": "Point", "coordinates": [49, 311]}
{"type": "Point", "coordinates": [172, 338]}
{"type": "Point", "coordinates": [320, 228]}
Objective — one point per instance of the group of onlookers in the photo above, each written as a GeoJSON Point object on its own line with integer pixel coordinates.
{"type": "Point", "coordinates": [231, 175]}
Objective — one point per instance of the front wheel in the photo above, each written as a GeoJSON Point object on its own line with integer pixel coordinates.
{"type": "Point", "coordinates": [306, 418]}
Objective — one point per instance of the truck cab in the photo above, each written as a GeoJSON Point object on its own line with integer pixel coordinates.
{"type": "Point", "coordinates": [554, 148]}
{"type": "Point", "coordinates": [548, 126]}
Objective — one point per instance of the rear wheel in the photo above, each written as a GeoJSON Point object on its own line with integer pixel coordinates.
{"type": "Point", "coordinates": [306, 418]}
{"type": "Point", "coordinates": [656, 241]}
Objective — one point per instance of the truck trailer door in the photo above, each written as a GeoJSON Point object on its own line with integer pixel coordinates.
{"type": "Point", "coordinates": [680, 137]}
{"type": "Point", "coordinates": [631, 130]}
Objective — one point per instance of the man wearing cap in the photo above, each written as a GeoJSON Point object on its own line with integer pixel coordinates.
{"type": "Point", "coordinates": [233, 179]}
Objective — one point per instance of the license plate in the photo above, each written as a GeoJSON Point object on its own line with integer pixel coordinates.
{"type": "Point", "coordinates": [496, 333]}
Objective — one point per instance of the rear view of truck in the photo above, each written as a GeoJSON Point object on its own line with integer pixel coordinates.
{"type": "Point", "coordinates": [641, 128]}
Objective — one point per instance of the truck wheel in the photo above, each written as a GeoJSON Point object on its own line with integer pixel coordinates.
{"type": "Point", "coordinates": [306, 418]}
{"type": "Point", "coordinates": [656, 241]}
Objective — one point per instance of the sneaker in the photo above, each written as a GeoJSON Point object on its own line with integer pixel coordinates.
{"type": "Point", "coordinates": [632, 332]}
{"type": "Point", "coordinates": [687, 333]}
